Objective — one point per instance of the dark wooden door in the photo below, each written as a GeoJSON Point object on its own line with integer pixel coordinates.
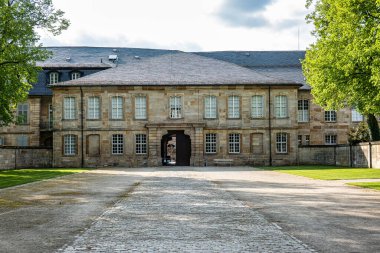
{"type": "Point", "coordinates": [183, 149]}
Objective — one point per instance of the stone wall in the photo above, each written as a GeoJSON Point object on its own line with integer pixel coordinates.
{"type": "Point", "coordinates": [362, 155]}
{"type": "Point", "coordinates": [16, 158]}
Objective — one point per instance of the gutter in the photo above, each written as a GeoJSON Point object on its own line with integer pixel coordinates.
{"type": "Point", "coordinates": [81, 126]}
{"type": "Point", "coordinates": [270, 126]}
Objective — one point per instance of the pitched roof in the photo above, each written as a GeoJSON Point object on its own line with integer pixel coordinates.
{"type": "Point", "coordinates": [177, 69]}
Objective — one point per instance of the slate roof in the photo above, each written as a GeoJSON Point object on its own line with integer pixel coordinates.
{"type": "Point", "coordinates": [177, 69]}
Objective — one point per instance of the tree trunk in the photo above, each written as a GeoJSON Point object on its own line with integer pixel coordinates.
{"type": "Point", "coordinates": [373, 127]}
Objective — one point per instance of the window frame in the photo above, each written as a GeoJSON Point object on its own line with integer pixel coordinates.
{"type": "Point", "coordinates": [141, 112]}
{"type": "Point", "coordinates": [210, 107]}
{"type": "Point", "coordinates": [330, 116]}
{"type": "Point", "coordinates": [75, 75]}
{"type": "Point", "coordinates": [356, 116]}
{"type": "Point", "coordinates": [281, 107]}
{"type": "Point", "coordinates": [211, 143]}
{"type": "Point", "coordinates": [70, 109]}
{"type": "Point", "coordinates": [2, 140]}
{"type": "Point", "coordinates": [70, 145]}
{"type": "Point", "coordinates": [93, 108]}
{"type": "Point", "coordinates": [117, 144]}
{"type": "Point", "coordinates": [117, 109]}
{"type": "Point", "coordinates": [234, 143]}
{"type": "Point", "coordinates": [282, 140]}
{"type": "Point", "coordinates": [257, 110]}
{"type": "Point", "coordinates": [53, 77]}
{"type": "Point", "coordinates": [331, 139]}
{"type": "Point", "coordinates": [175, 107]}
{"type": "Point", "coordinates": [141, 144]}
{"type": "Point", "coordinates": [303, 107]}
{"type": "Point", "coordinates": [233, 107]}
{"type": "Point", "coordinates": [22, 114]}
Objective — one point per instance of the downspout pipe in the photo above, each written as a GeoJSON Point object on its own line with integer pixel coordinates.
{"type": "Point", "coordinates": [270, 126]}
{"type": "Point", "coordinates": [81, 126]}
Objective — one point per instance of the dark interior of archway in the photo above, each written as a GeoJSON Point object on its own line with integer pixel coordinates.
{"type": "Point", "coordinates": [176, 148]}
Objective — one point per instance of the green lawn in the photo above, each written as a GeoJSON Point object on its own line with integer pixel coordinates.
{"type": "Point", "coordinates": [371, 185]}
{"type": "Point", "coordinates": [328, 172]}
{"type": "Point", "coordinates": [10, 178]}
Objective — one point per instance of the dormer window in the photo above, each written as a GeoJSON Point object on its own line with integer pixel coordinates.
{"type": "Point", "coordinates": [53, 77]}
{"type": "Point", "coordinates": [75, 75]}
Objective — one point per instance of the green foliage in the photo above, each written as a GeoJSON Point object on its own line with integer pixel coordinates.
{"type": "Point", "coordinates": [343, 65]}
{"type": "Point", "coordinates": [19, 48]}
{"type": "Point", "coordinates": [359, 134]}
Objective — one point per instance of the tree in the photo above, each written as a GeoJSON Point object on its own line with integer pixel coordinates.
{"type": "Point", "coordinates": [343, 65]}
{"type": "Point", "coordinates": [358, 134]}
{"type": "Point", "coordinates": [20, 50]}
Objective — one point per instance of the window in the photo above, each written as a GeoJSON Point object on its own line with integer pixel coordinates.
{"type": "Point", "coordinates": [282, 143]}
{"type": "Point", "coordinates": [2, 141]}
{"type": "Point", "coordinates": [141, 144]}
{"type": "Point", "coordinates": [22, 140]}
{"type": "Point", "coordinates": [234, 143]}
{"type": "Point", "coordinates": [299, 140]}
{"type": "Point", "coordinates": [330, 139]}
{"type": "Point", "coordinates": [117, 108]}
{"type": "Point", "coordinates": [210, 143]}
{"type": "Point", "coordinates": [257, 106]}
{"type": "Point", "coordinates": [303, 110]}
{"type": "Point", "coordinates": [140, 107]}
{"type": "Point", "coordinates": [22, 113]}
{"type": "Point", "coordinates": [75, 75]}
{"type": "Point", "coordinates": [307, 140]}
{"type": "Point", "coordinates": [93, 109]}
{"type": "Point", "coordinates": [233, 107]}
{"type": "Point", "coordinates": [69, 108]}
{"type": "Point", "coordinates": [330, 116]}
{"type": "Point", "coordinates": [53, 77]}
{"type": "Point", "coordinates": [356, 116]}
{"type": "Point", "coordinates": [117, 144]}
{"type": "Point", "coordinates": [281, 106]}
{"type": "Point", "coordinates": [69, 144]}
{"type": "Point", "coordinates": [50, 116]}
{"type": "Point", "coordinates": [175, 107]}
{"type": "Point", "coordinates": [210, 107]}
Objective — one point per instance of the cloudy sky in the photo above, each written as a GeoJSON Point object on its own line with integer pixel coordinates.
{"type": "Point", "coordinates": [188, 25]}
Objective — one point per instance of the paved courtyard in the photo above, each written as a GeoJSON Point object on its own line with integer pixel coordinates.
{"type": "Point", "coordinates": [237, 209]}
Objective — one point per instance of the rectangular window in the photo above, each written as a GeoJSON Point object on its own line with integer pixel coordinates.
{"type": "Point", "coordinates": [22, 140]}
{"type": "Point", "coordinates": [210, 143]}
{"type": "Point", "coordinates": [175, 107]}
{"type": "Point", "coordinates": [22, 113]}
{"type": "Point", "coordinates": [69, 144]}
{"type": "Point", "coordinates": [356, 116]}
{"type": "Point", "coordinates": [50, 116]}
{"type": "Point", "coordinates": [141, 144]}
{"type": "Point", "coordinates": [69, 110]}
{"type": "Point", "coordinates": [140, 107]}
{"type": "Point", "coordinates": [330, 116]}
{"type": "Point", "coordinates": [303, 110]}
{"type": "Point", "coordinates": [281, 106]}
{"type": "Point", "coordinates": [299, 140]}
{"type": "Point", "coordinates": [93, 110]}
{"type": "Point", "coordinates": [233, 107]}
{"type": "Point", "coordinates": [307, 140]}
{"type": "Point", "coordinates": [330, 139]}
{"type": "Point", "coordinates": [210, 107]}
{"type": "Point", "coordinates": [2, 141]}
{"type": "Point", "coordinates": [53, 77]}
{"type": "Point", "coordinates": [257, 106]}
{"type": "Point", "coordinates": [117, 144]}
{"type": "Point", "coordinates": [282, 143]}
{"type": "Point", "coordinates": [117, 108]}
{"type": "Point", "coordinates": [75, 75]}
{"type": "Point", "coordinates": [234, 143]}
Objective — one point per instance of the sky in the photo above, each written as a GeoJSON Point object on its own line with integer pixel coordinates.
{"type": "Point", "coordinates": [187, 25]}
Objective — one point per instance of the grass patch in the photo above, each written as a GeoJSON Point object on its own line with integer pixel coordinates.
{"type": "Point", "coordinates": [9, 178]}
{"type": "Point", "coordinates": [370, 185]}
{"type": "Point", "coordinates": [328, 172]}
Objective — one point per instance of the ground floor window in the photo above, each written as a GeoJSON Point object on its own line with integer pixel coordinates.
{"type": "Point", "coordinates": [117, 144]}
{"type": "Point", "coordinates": [210, 143]}
{"type": "Point", "coordinates": [330, 139]}
{"type": "Point", "coordinates": [141, 143]}
{"type": "Point", "coordinates": [234, 143]}
{"type": "Point", "coordinates": [282, 143]}
{"type": "Point", "coordinates": [69, 144]}
{"type": "Point", "coordinates": [307, 140]}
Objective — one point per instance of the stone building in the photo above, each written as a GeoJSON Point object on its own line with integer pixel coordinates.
{"type": "Point", "coordinates": [143, 107]}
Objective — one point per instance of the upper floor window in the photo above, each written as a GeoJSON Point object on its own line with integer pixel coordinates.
{"type": "Point", "coordinates": [233, 107]}
{"type": "Point", "coordinates": [303, 110]}
{"type": "Point", "coordinates": [22, 113]}
{"type": "Point", "coordinates": [69, 144]}
{"type": "Point", "coordinates": [210, 143]}
{"type": "Point", "coordinates": [140, 107]}
{"type": "Point", "coordinates": [281, 106]}
{"type": "Point", "coordinates": [53, 77]}
{"type": "Point", "coordinates": [210, 107]}
{"type": "Point", "coordinates": [330, 116]}
{"type": "Point", "coordinates": [117, 144]}
{"type": "Point", "coordinates": [175, 104]}
{"type": "Point", "coordinates": [141, 144]}
{"type": "Point", "coordinates": [234, 143]}
{"type": "Point", "coordinates": [257, 106]}
{"type": "Point", "coordinates": [330, 139]}
{"type": "Point", "coordinates": [22, 140]}
{"type": "Point", "coordinates": [117, 107]}
{"type": "Point", "coordinates": [281, 143]}
{"type": "Point", "coordinates": [93, 110]}
{"type": "Point", "coordinates": [356, 116]}
{"type": "Point", "coordinates": [69, 109]}
{"type": "Point", "coordinates": [75, 75]}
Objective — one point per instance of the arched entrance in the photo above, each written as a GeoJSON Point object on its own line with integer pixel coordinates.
{"type": "Point", "coordinates": [176, 148]}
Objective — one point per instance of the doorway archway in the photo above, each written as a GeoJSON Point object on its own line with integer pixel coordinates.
{"type": "Point", "coordinates": [176, 148]}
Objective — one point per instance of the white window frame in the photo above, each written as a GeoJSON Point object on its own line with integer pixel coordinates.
{"type": "Point", "coordinates": [175, 106]}
{"type": "Point", "coordinates": [140, 107]}
{"type": "Point", "coordinates": [69, 108]}
{"type": "Point", "coordinates": [234, 143]}
{"type": "Point", "coordinates": [23, 113]}
{"type": "Point", "coordinates": [117, 108]}
{"type": "Point", "coordinates": [210, 107]}
{"type": "Point", "coordinates": [75, 75]}
{"type": "Point", "coordinates": [281, 143]}
{"type": "Point", "coordinates": [69, 145]}
{"type": "Point", "coordinates": [303, 110]}
{"type": "Point", "coordinates": [330, 116]}
{"type": "Point", "coordinates": [331, 139]}
{"type": "Point", "coordinates": [141, 144]}
{"type": "Point", "coordinates": [257, 106]}
{"type": "Point", "coordinates": [53, 77]}
{"type": "Point", "coordinates": [281, 106]}
{"type": "Point", "coordinates": [307, 140]}
{"type": "Point", "coordinates": [356, 116]}
{"type": "Point", "coordinates": [210, 143]}
{"type": "Point", "coordinates": [233, 107]}
{"type": "Point", "coordinates": [93, 107]}
{"type": "Point", "coordinates": [117, 141]}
